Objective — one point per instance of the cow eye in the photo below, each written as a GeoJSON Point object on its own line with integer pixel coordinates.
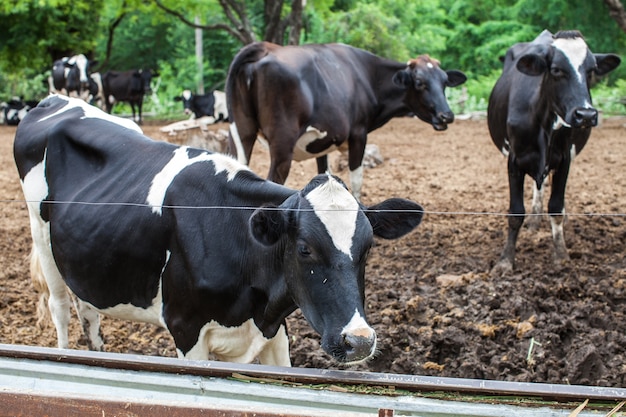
{"type": "Point", "coordinates": [303, 250]}
{"type": "Point", "coordinates": [420, 84]}
{"type": "Point", "coordinates": [556, 72]}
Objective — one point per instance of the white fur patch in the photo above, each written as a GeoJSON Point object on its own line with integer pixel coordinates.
{"type": "Point", "coordinates": [310, 135]}
{"type": "Point", "coordinates": [575, 50]}
{"type": "Point", "coordinates": [91, 112]}
{"type": "Point", "coordinates": [152, 314]}
{"type": "Point", "coordinates": [180, 161]}
{"type": "Point", "coordinates": [241, 156]}
{"type": "Point", "coordinates": [337, 209]}
{"type": "Point", "coordinates": [241, 344]}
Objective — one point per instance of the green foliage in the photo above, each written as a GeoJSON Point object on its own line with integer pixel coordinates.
{"type": "Point", "coordinates": [462, 34]}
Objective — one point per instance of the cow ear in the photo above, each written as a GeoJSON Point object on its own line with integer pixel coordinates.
{"type": "Point", "coordinates": [268, 224]}
{"type": "Point", "coordinates": [394, 218]}
{"type": "Point", "coordinates": [178, 98]}
{"type": "Point", "coordinates": [402, 78]}
{"type": "Point", "coordinates": [532, 64]}
{"type": "Point", "coordinates": [455, 78]}
{"type": "Point", "coordinates": [606, 63]}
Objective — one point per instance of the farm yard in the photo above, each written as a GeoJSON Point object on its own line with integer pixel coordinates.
{"type": "Point", "coordinates": [436, 308]}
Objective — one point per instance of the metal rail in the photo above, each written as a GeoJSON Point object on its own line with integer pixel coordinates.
{"type": "Point", "coordinates": [53, 382]}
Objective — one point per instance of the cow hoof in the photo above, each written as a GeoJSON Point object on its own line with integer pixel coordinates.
{"type": "Point", "coordinates": [502, 268]}
{"type": "Point", "coordinates": [532, 223]}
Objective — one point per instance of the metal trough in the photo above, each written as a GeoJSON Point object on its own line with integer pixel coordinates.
{"type": "Point", "coordinates": [51, 382]}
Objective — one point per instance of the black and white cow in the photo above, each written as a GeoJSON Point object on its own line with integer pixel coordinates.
{"type": "Point", "coordinates": [129, 86]}
{"type": "Point", "coordinates": [96, 90]}
{"type": "Point", "coordinates": [212, 104]}
{"type": "Point", "coordinates": [540, 116]}
{"type": "Point", "coordinates": [70, 76]}
{"type": "Point", "coordinates": [15, 110]}
{"type": "Point", "coordinates": [309, 100]}
{"type": "Point", "coordinates": [194, 241]}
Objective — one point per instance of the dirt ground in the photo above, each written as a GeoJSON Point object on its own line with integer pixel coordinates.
{"type": "Point", "coordinates": [429, 295]}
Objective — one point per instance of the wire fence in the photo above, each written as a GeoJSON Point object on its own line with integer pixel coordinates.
{"type": "Point", "coordinates": [252, 208]}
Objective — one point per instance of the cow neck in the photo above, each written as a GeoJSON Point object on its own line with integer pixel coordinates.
{"type": "Point", "coordinates": [389, 96]}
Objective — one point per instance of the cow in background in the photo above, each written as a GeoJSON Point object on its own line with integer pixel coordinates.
{"type": "Point", "coordinates": [96, 91]}
{"type": "Point", "coordinates": [540, 116]}
{"type": "Point", "coordinates": [310, 100]}
{"type": "Point", "coordinates": [212, 104]}
{"type": "Point", "coordinates": [13, 111]}
{"type": "Point", "coordinates": [129, 86]}
{"type": "Point", "coordinates": [70, 76]}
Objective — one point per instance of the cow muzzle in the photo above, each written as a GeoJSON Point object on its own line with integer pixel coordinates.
{"type": "Point", "coordinates": [358, 347]}
{"type": "Point", "coordinates": [442, 119]}
{"type": "Point", "coordinates": [353, 346]}
{"type": "Point", "coordinates": [584, 117]}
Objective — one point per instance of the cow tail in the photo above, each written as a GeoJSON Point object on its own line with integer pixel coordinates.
{"type": "Point", "coordinates": [248, 54]}
{"type": "Point", "coordinates": [40, 285]}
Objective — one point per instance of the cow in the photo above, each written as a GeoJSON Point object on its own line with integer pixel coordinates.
{"type": "Point", "coordinates": [70, 76]}
{"type": "Point", "coordinates": [129, 86]}
{"type": "Point", "coordinates": [96, 90]}
{"type": "Point", "coordinates": [193, 241]}
{"type": "Point", "coordinates": [309, 100]}
{"type": "Point", "coordinates": [540, 116]}
{"type": "Point", "coordinates": [212, 104]}
{"type": "Point", "coordinates": [15, 110]}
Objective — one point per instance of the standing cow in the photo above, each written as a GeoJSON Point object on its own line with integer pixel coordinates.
{"type": "Point", "coordinates": [129, 86]}
{"type": "Point", "coordinates": [540, 116]}
{"type": "Point", "coordinates": [194, 241]}
{"type": "Point", "coordinates": [70, 76]}
{"type": "Point", "coordinates": [309, 100]}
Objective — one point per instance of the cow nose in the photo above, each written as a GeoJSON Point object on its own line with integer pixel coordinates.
{"type": "Point", "coordinates": [359, 346]}
{"type": "Point", "coordinates": [585, 117]}
{"type": "Point", "coordinates": [446, 117]}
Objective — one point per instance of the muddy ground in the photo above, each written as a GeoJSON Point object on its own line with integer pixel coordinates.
{"type": "Point", "coordinates": [429, 295]}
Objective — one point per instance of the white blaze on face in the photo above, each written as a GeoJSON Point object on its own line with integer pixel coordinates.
{"type": "Point", "coordinates": [180, 161]}
{"type": "Point", "coordinates": [575, 50]}
{"type": "Point", "coordinates": [337, 209]}
{"type": "Point", "coordinates": [81, 62]}
{"type": "Point", "coordinates": [357, 326]}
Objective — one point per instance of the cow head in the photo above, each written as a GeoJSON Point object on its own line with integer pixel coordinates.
{"type": "Point", "coordinates": [81, 65]}
{"type": "Point", "coordinates": [325, 236]}
{"type": "Point", "coordinates": [185, 97]}
{"type": "Point", "coordinates": [425, 83]}
{"type": "Point", "coordinates": [567, 66]}
{"type": "Point", "coordinates": [140, 81]}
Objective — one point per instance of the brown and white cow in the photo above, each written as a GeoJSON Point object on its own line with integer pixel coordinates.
{"type": "Point", "coordinates": [309, 100]}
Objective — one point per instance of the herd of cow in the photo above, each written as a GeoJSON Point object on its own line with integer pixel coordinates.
{"type": "Point", "coordinates": [197, 243]}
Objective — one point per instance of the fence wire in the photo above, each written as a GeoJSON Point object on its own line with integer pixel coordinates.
{"type": "Point", "coordinates": [252, 208]}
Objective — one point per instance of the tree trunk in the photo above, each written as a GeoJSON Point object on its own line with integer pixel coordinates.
{"type": "Point", "coordinates": [616, 10]}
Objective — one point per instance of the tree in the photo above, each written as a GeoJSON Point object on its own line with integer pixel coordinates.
{"type": "Point", "coordinates": [616, 11]}
{"type": "Point", "coordinates": [239, 21]}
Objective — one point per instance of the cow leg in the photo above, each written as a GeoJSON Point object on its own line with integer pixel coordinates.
{"type": "Point", "coordinates": [356, 151]}
{"type": "Point", "coordinates": [556, 208]}
{"type": "Point", "coordinates": [139, 106]}
{"type": "Point", "coordinates": [280, 165]}
{"type": "Point", "coordinates": [132, 109]}
{"type": "Point", "coordinates": [90, 320]}
{"type": "Point", "coordinates": [59, 302]}
{"type": "Point", "coordinates": [276, 352]}
{"type": "Point", "coordinates": [281, 155]}
{"type": "Point", "coordinates": [322, 164]}
{"type": "Point", "coordinates": [516, 219]}
{"type": "Point", "coordinates": [241, 144]}
{"type": "Point", "coordinates": [532, 223]}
